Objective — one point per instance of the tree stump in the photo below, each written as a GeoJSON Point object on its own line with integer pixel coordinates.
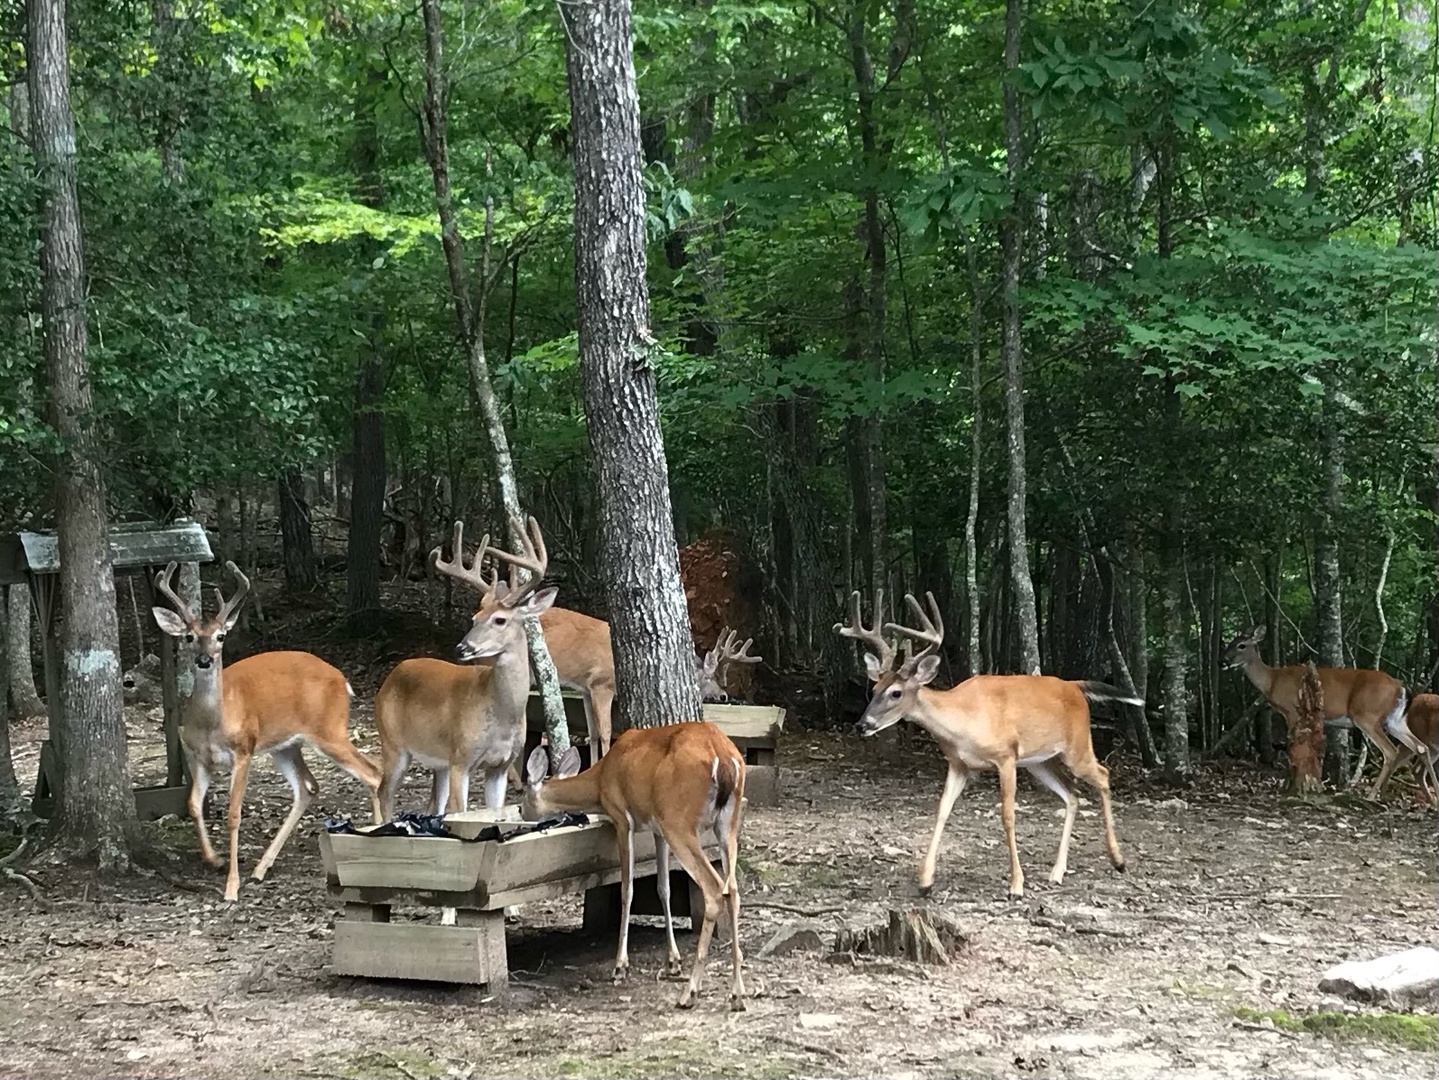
{"type": "Point", "coordinates": [917, 934]}
{"type": "Point", "coordinates": [1306, 734]}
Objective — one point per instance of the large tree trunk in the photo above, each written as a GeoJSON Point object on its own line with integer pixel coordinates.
{"type": "Point", "coordinates": [1013, 348]}
{"type": "Point", "coordinates": [367, 505]}
{"type": "Point", "coordinates": [95, 805]}
{"type": "Point", "coordinates": [23, 697]}
{"type": "Point", "coordinates": [1327, 590]}
{"type": "Point", "coordinates": [653, 651]}
{"type": "Point", "coordinates": [296, 540]}
{"type": "Point", "coordinates": [470, 321]}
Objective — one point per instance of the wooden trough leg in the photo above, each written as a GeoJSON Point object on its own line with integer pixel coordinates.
{"type": "Point", "coordinates": [473, 952]}
{"type": "Point", "coordinates": [761, 785]}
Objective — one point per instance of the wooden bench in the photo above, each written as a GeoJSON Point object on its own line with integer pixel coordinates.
{"type": "Point", "coordinates": [373, 875]}
{"type": "Point", "coordinates": [755, 729]}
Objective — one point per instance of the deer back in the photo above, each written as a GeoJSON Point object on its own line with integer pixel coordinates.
{"type": "Point", "coordinates": [271, 698]}
{"type": "Point", "coordinates": [439, 710]}
{"type": "Point", "coordinates": [579, 645]}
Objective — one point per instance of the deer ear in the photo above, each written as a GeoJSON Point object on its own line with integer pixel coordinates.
{"type": "Point", "coordinates": [1257, 634]}
{"type": "Point", "coordinates": [569, 764]}
{"type": "Point", "coordinates": [536, 766]}
{"type": "Point", "coordinates": [872, 667]}
{"type": "Point", "coordinates": [926, 670]}
{"type": "Point", "coordinates": [541, 601]}
{"type": "Point", "coordinates": [169, 622]}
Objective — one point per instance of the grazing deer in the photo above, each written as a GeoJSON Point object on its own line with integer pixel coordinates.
{"type": "Point", "coordinates": [1373, 701]}
{"type": "Point", "coordinates": [270, 703]}
{"type": "Point", "coordinates": [710, 671]}
{"type": "Point", "coordinates": [1000, 722]}
{"type": "Point", "coordinates": [680, 780]}
{"type": "Point", "coordinates": [452, 718]}
{"type": "Point", "coordinates": [1422, 719]}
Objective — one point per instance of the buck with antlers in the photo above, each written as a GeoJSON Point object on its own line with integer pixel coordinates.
{"type": "Point", "coordinates": [1000, 722]}
{"type": "Point", "coordinates": [1373, 701]}
{"type": "Point", "coordinates": [268, 703]}
{"type": "Point", "coordinates": [712, 669]}
{"type": "Point", "coordinates": [453, 718]}
{"type": "Point", "coordinates": [680, 780]}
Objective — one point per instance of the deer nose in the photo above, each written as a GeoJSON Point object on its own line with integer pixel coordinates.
{"type": "Point", "coordinates": [202, 660]}
{"type": "Point", "coordinates": [722, 698]}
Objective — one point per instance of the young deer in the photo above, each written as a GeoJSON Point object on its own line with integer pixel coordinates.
{"type": "Point", "coordinates": [712, 669]}
{"type": "Point", "coordinates": [1000, 722]}
{"type": "Point", "coordinates": [269, 703]}
{"type": "Point", "coordinates": [1422, 719]}
{"type": "Point", "coordinates": [1373, 701]}
{"type": "Point", "coordinates": [680, 780]}
{"type": "Point", "coordinates": [452, 718]}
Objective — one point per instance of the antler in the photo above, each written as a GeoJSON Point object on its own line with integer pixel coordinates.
{"type": "Point", "coordinates": [534, 558]}
{"type": "Point", "coordinates": [930, 630]}
{"type": "Point", "coordinates": [162, 584]}
{"type": "Point", "coordinates": [230, 606]}
{"type": "Point", "coordinates": [725, 653]}
{"type": "Point", "coordinates": [472, 575]}
{"type": "Point", "coordinates": [868, 635]}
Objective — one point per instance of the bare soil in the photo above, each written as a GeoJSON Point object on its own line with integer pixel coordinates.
{"type": "Point", "coordinates": [1235, 900]}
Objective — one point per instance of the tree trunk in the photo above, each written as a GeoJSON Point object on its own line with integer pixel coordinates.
{"type": "Point", "coordinates": [9, 786]}
{"type": "Point", "coordinates": [977, 664]}
{"type": "Point", "coordinates": [1326, 569]}
{"type": "Point", "coordinates": [23, 697]}
{"type": "Point", "coordinates": [1274, 581]}
{"type": "Point", "coordinates": [1138, 607]}
{"type": "Point", "coordinates": [95, 805]}
{"type": "Point", "coordinates": [1176, 646]}
{"type": "Point", "coordinates": [653, 651]}
{"type": "Point", "coordinates": [1013, 347]}
{"type": "Point", "coordinates": [470, 321]}
{"type": "Point", "coordinates": [169, 103]}
{"type": "Point", "coordinates": [1306, 736]}
{"type": "Point", "coordinates": [301, 573]}
{"type": "Point", "coordinates": [367, 508]}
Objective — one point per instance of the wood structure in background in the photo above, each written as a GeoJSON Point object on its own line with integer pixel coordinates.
{"type": "Point", "coordinates": [755, 729]}
{"type": "Point", "coordinates": [34, 559]}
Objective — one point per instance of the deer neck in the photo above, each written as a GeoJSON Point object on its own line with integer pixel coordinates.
{"type": "Point", "coordinates": [205, 707]}
{"type": "Point", "coordinates": [1259, 673]}
{"type": "Point", "coordinates": [580, 792]}
{"type": "Point", "coordinates": [926, 716]}
{"type": "Point", "coordinates": [510, 681]}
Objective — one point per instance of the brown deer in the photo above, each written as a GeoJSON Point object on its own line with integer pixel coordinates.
{"type": "Point", "coordinates": [1000, 722]}
{"type": "Point", "coordinates": [711, 670]}
{"type": "Point", "coordinates": [680, 780]}
{"type": "Point", "coordinates": [1373, 701]}
{"type": "Point", "coordinates": [271, 703]}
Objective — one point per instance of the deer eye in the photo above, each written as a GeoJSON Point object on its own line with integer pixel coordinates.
{"type": "Point", "coordinates": [894, 692]}
{"type": "Point", "coordinates": [220, 636]}
{"type": "Point", "coordinates": [189, 638]}
{"type": "Point", "coordinates": [500, 620]}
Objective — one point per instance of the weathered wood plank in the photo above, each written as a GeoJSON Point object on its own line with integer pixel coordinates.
{"type": "Point", "coordinates": [747, 721]}
{"type": "Point", "coordinates": [453, 954]}
{"type": "Point", "coordinates": [414, 862]}
{"type": "Point", "coordinates": [140, 543]}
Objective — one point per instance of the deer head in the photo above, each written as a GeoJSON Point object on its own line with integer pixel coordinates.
{"type": "Point", "coordinates": [895, 689]}
{"type": "Point", "coordinates": [532, 804]}
{"type": "Point", "coordinates": [205, 636]}
{"type": "Point", "coordinates": [1244, 648]}
{"type": "Point", "coordinates": [710, 671]}
{"type": "Point", "coordinates": [498, 623]}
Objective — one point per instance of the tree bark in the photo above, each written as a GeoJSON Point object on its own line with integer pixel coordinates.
{"type": "Point", "coordinates": [470, 321]}
{"type": "Point", "coordinates": [367, 506]}
{"type": "Point", "coordinates": [1009, 237]}
{"type": "Point", "coordinates": [9, 786]}
{"type": "Point", "coordinates": [95, 806]}
{"type": "Point", "coordinates": [1327, 588]}
{"type": "Point", "coordinates": [653, 650]}
{"type": "Point", "coordinates": [296, 540]}
{"type": "Point", "coordinates": [23, 696]}
{"type": "Point", "coordinates": [977, 665]}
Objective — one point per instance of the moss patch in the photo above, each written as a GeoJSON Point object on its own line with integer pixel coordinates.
{"type": "Point", "coordinates": [1395, 1029]}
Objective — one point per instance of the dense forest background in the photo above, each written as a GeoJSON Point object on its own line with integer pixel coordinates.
{"type": "Point", "coordinates": [1153, 290]}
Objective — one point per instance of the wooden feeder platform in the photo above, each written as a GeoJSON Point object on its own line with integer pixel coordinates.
{"type": "Point", "coordinates": [33, 558]}
{"type": "Point", "coordinates": [373, 875]}
{"type": "Point", "coordinates": [755, 730]}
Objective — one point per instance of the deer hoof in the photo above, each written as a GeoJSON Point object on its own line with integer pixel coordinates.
{"type": "Point", "coordinates": [674, 965]}
{"type": "Point", "coordinates": [1056, 877]}
{"type": "Point", "coordinates": [686, 1001]}
{"type": "Point", "coordinates": [736, 1003]}
{"type": "Point", "coordinates": [1016, 892]}
{"type": "Point", "coordinates": [925, 890]}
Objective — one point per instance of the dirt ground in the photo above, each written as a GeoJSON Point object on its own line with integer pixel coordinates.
{"type": "Point", "coordinates": [1234, 903]}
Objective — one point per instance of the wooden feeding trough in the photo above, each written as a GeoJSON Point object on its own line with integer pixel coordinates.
{"type": "Point", "coordinates": [755, 730]}
{"type": "Point", "coordinates": [479, 878]}
{"type": "Point", "coordinates": [33, 558]}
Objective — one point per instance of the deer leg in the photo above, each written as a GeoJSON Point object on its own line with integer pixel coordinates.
{"type": "Point", "coordinates": [459, 787]}
{"type": "Point", "coordinates": [727, 825]}
{"type": "Point", "coordinates": [199, 786]}
{"type": "Point", "coordinates": [344, 754]}
{"type": "Point", "coordinates": [662, 886]}
{"type": "Point", "coordinates": [1008, 784]}
{"type": "Point", "coordinates": [303, 787]}
{"type": "Point", "coordinates": [954, 783]}
{"type": "Point", "coordinates": [1387, 748]}
{"type": "Point", "coordinates": [239, 778]}
{"type": "Point", "coordinates": [602, 696]}
{"type": "Point", "coordinates": [392, 775]}
{"type": "Point", "coordinates": [1097, 776]}
{"type": "Point", "coordinates": [439, 790]}
{"type": "Point", "coordinates": [1044, 772]}
{"type": "Point", "coordinates": [691, 856]}
{"type": "Point", "coordinates": [627, 892]}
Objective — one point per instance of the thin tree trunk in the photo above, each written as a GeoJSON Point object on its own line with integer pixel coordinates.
{"type": "Point", "coordinates": [297, 543]}
{"type": "Point", "coordinates": [1379, 587]}
{"type": "Point", "coordinates": [1013, 347]}
{"type": "Point", "coordinates": [977, 664]}
{"type": "Point", "coordinates": [1274, 583]}
{"type": "Point", "coordinates": [9, 786]}
{"type": "Point", "coordinates": [470, 321]}
{"type": "Point", "coordinates": [367, 506]}
{"type": "Point", "coordinates": [23, 696]}
{"type": "Point", "coordinates": [169, 103]}
{"type": "Point", "coordinates": [1327, 587]}
{"type": "Point", "coordinates": [653, 650]}
{"type": "Point", "coordinates": [95, 806]}
{"type": "Point", "coordinates": [225, 523]}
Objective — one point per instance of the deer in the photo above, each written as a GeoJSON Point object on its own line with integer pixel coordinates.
{"type": "Point", "coordinates": [711, 670]}
{"type": "Point", "coordinates": [454, 718]}
{"type": "Point", "coordinates": [1422, 719]}
{"type": "Point", "coordinates": [270, 703]}
{"type": "Point", "coordinates": [1000, 722]}
{"type": "Point", "coordinates": [680, 780]}
{"type": "Point", "coordinates": [1373, 701]}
